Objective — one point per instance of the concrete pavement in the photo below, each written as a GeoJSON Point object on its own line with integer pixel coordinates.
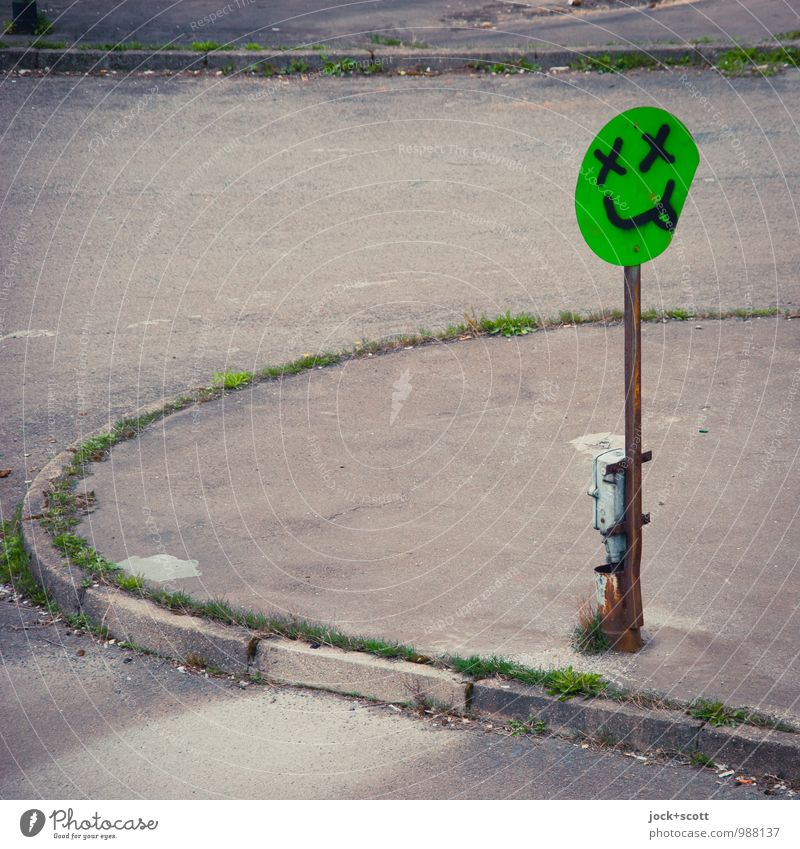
{"type": "Point", "coordinates": [437, 497]}
{"type": "Point", "coordinates": [158, 230]}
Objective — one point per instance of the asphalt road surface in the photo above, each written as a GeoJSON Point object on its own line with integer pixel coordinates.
{"type": "Point", "coordinates": [542, 23]}
{"type": "Point", "coordinates": [86, 720]}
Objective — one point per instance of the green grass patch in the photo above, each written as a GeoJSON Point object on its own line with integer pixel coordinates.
{"type": "Point", "coordinates": [232, 379]}
{"type": "Point", "coordinates": [42, 44]}
{"type": "Point", "coordinates": [391, 41]}
{"type": "Point", "coordinates": [116, 47]}
{"type": "Point", "coordinates": [130, 583]}
{"type": "Point", "coordinates": [377, 38]}
{"type": "Point", "coordinates": [266, 69]}
{"type": "Point", "coordinates": [296, 66]}
{"type": "Point", "coordinates": [521, 66]}
{"type": "Point", "coordinates": [756, 312]}
{"type": "Point", "coordinates": [508, 325]}
{"type": "Point", "coordinates": [567, 683]}
{"type": "Point", "coordinates": [616, 63]}
{"type": "Point", "coordinates": [742, 60]}
{"type": "Point", "coordinates": [123, 46]}
{"type": "Point", "coordinates": [206, 46]}
{"type": "Point", "coordinates": [44, 26]}
{"type": "Point", "coordinates": [521, 729]}
{"type": "Point", "coordinates": [347, 65]}
{"type": "Point", "coordinates": [290, 628]}
{"type": "Point", "coordinates": [718, 714]}
{"type": "Point", "coordinates": [678, 315]}
{"type": "Point", "coordinates": [94, 449]}
{"type": "Point", "coordinates": [789, 35]}
{"type": "Point", "coordinates": [338, 68]}
{"type": "Point", "coordinates": [79, 553]}
{"type": "Point", "coordinates": [82, 622]}
{"type": "Point", "coordinates": [61, 512]}
{"type": "Point", "coordinates": [699, 759]}
{"type": "Point", "coordinates": [15, 563]}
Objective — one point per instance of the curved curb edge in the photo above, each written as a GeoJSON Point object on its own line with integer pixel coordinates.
{"type": "Point", "coordinates": [236, 650]}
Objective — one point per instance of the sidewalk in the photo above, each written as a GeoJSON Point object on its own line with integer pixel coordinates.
{"type": "Point", "coordinates": [540, 23]}
{"type": "Point", "coordinates": [438, 497]}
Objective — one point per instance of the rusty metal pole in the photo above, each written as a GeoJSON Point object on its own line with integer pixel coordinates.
{"type": "Point", "coordinates": [631, 639]}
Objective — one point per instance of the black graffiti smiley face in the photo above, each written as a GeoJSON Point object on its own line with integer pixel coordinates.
{"type": "Point", "coordinates": [633, 185]}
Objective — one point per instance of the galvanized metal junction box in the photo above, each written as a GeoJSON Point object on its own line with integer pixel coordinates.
{"type": "Point", "coordinates": [608, 492]}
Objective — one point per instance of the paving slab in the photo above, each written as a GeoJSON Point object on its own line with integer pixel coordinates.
{"type": "Point", "coordinates": [437, 496]}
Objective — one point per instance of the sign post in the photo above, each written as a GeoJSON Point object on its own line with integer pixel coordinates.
{"type": "Point", "coordinates": [633, 450]}
{"type": "Point", "coordinates": [631, 189]}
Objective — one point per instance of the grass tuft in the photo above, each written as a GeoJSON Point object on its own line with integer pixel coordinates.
{"type": "Point", "coordinates": [15, 563]}
{"type": "Point", "coordinates": [81, 554]}
{"type": "Point", "coordinates": [741, 60]}
{"type": "Point", "coordinates": [717, 713]}
{"type": "Point", "coordinates": [83, 622]}
{"type": "Point", "coordinates": [699, 759]}
{"type": "Point", "coordinates": [617, 63]}
{"type": "Point", "coordinates": [206, 46]}
{"type": "Point", "coordinates": [42, 44]}
{"type": "Point", "coordinates": [346, 66]}
{"type": "Point", "coordinates": [391, 41]}
{"type": "Point", "coordinates": [44, 26]}
{"type": "Point", "coordinates": [588, 636]}
{"type": "Point", "coordinates": [509, 325]}
{"type": "Point", "coordinates": [522, 66]}
{"type": "Point", "coordinates": [231, 379]}
{"type": "Point", "coordinates": [94, 449]}
{"type": "Point", "coordinates": [532, 726]}
{"type": "Point", "coordinates": [567, 683]}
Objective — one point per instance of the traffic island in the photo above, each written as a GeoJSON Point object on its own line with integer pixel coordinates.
{"type": "Point", "coordinates": [492, 434]}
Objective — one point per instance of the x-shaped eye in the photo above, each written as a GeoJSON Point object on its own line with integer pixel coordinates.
{"type": "Point", "coordinates": [610, 162]}
{"type": "Point", "coordinates": [656, 149]}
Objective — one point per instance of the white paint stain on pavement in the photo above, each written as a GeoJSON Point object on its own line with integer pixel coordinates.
{"type": "Point", "coordinates": [26, 334]}
{"type": "Point", "coordinates": [149, 323]}
{"type": "Point", "coordinates": [161, 567]}
{"type": "Point", "coordinates": [594, 443]}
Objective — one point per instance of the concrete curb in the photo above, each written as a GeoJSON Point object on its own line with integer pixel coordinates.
{"type": "Point", "coordinates": [325, 668]}
{"type": "Point", "coordinates": [71, 60]}
{"type": "Point", "coordinates": [744, 748]}
{"type": "Point", "coordinates": [239, 651]}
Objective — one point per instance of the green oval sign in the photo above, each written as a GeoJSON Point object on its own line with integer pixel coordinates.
{"type": "Point", "coordinates": [633, 183]}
